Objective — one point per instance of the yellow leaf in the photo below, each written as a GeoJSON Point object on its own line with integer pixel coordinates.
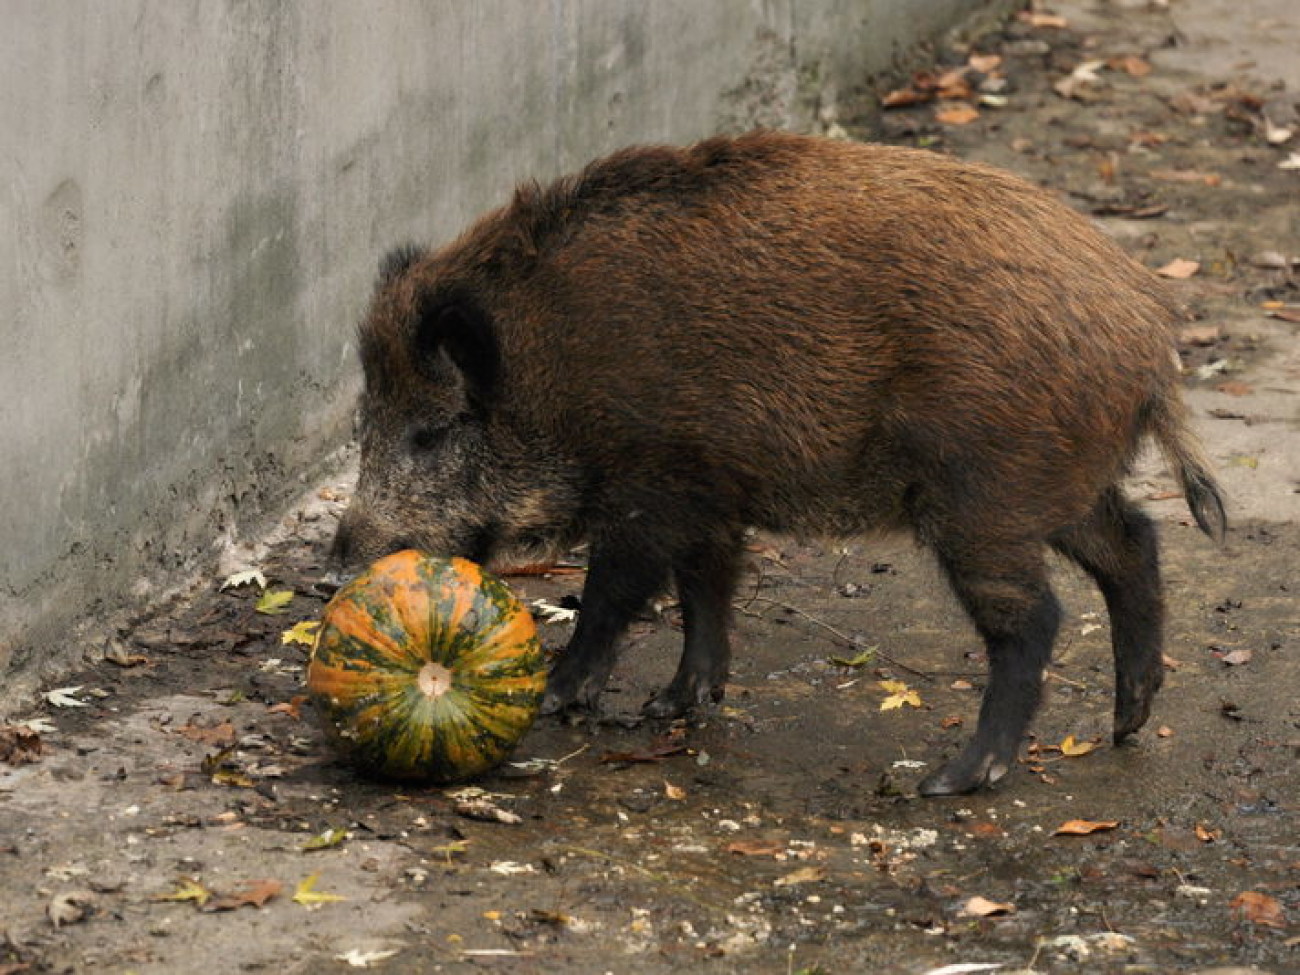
{"type": "Point", "coordinates": [307, 895]}
{"type": "Point", "coordinates": [1073, 749]}
{"type": "Point", "coordinates": [899, 694]}
{"type": "Point", "coordinates": [188, 889]}
{"type": "Point", "coordinates": [323, 841]}
{"type": "Point", "coordinates": [303, 632]}
{"type": "Point", "coordinates": [274, 601]}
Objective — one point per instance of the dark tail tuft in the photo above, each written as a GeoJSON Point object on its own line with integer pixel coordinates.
{"type": "Point", "coordinates": [1188, 461]}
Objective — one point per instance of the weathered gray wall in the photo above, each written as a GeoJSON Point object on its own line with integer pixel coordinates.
{"type": "Point", "coordinates": [193, 195]}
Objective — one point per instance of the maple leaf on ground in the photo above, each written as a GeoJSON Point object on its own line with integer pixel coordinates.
{"type": "Point", "coordinates": [187, 889]}
{"type": "Point", "coordinates": [254, 894]}
{"type": "Point", "coordinates": [303, 632]}
{"type": "Point", "coordinates": [273, 602]}
{"type": "Point", "coordinates": [899, 694]}
{"type": "Point", "coordinates": [248, 576]}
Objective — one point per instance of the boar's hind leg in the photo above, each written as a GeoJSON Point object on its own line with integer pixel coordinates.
{"type": "Point", "coordinates": [706, 581]}
{"type": "Point", "coordinates": [1004, 589]}
{"type": "Point", "coordinates": [619, 583]}
{"type": "Point", "coordinates": [1117, 546]}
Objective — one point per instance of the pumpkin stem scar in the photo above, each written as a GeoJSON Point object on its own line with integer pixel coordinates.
{"type": "Point", "coordinates": [434, 680]}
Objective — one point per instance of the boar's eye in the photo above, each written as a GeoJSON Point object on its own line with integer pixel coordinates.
{"type": "Point", "coordinates": [425, 439]}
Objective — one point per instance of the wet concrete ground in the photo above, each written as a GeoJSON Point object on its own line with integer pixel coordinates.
{"type": "Point", "coordinates": [778, 832]}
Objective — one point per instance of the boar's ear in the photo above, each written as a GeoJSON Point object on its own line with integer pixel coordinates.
{"type": "Point", "coordinates": [396, 263]}
{"type": "Point", "coordinates": [457, 329]}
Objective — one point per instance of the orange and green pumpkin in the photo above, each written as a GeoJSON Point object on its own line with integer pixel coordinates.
{"type": "Point", "coordinates": [426, 669]}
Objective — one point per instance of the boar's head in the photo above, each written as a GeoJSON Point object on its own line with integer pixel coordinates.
{"type": "Point", "coordinates": [446, 464]}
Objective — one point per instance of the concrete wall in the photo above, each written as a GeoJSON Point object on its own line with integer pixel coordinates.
{"type": "Point", "coordinates": [193, 196]}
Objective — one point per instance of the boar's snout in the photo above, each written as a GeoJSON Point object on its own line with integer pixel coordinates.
{"type": "Point", "coordinates": [354, 544]}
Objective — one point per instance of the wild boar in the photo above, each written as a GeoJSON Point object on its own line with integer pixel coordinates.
{"type": "Point", "coordinates": [798, 335]}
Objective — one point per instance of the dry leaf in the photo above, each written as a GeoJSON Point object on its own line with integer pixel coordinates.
{"type": "Point", "coordinates": [958, 114]}
{"type": "Point", "coordinates": [303, 632]}
{"type": "Point", "coordinates": [899, 694]}
{"type": "Point", "coordinates": [804, 875]}
{"type": "Point", "coordinates": [291, 707]}
{"type": "Point", "coordinates": [675, 792]}
{"type": "Point", "coordinates": [244, 578]}
{"type": "Point", "coordinates": [255, 894]}
{"type": "Point", "coordinates": [1187, 176]}
{"type": "Point", "coordinates": [70, 907]}
{"type": "Point", "coordinates": [985, 63]}
{"type": "Point", "coordinates": [273, 602]}
{"type": "Point", "coordinates": [1038, 18]}
{"type": "Point", "coordinates": [1082, 827]}
{"type": "Point", "coordinates": [983, 907]}
{"type": "Point", "coordinates": [1179, 269]}
{"type": "Point", "coordinates": [326, 840]}
{"type": "Point", "coordinates": [356, 958]}
{"type": "Point", "coordinates": [1073, 749]}
{"type": "Point", "coordinates": [220, 735]}
{"type": "Point", "coordinates": [1200, 335]}
{"type": "Point", "coordinates": [62, 697]}
{"type": "Point", "coordinates": [1235, 388]}
{"type": "Point", "coordinates": [1130, 64]}
{"type": "Point", "coordinates": [1236, 658]}
{"type": "Point", "coordinates": [756, 848]}
{"type": "Point", "coordinates": [19, 744]}
{"type": "Point", "coordinates": [308, 896]}
{"type": "Point", "coordinates": [1164, 731]}
{"type": "Point", "coordinates": [1207, 835]}
{"type": "Point", "coordinates": [189, 889]}
{"type": "Point", "coordinates": [1258, 909]}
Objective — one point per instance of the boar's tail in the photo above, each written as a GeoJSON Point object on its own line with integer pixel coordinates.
{"type": "Point", "coordinates": [1186, 459]}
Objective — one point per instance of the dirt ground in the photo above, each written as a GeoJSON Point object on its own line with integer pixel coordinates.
{"type": "Point", "coordinates": [780, 831]}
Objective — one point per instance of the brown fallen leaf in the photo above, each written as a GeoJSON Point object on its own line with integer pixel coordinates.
{"type": "Point", "coordinates": [657, 752]}
{"type": "Point", "coordinates": [1258, 908]}
{"type": "Point", "coordinates": [985, 63]}
{"type": "Point", "coordinates": [1130, 64]}
{"type": "Point", "coordinates": [1164, 731]}
{"type": "Point", "coordinates": [983, 907]}
{"type": "Point", "coordinates": [1236, 658]}
{"type": "Point", "coordinates": [1179, 269]}
{"type": "Point", "coordinates": [255, 893]}
{"type": "Point", "coordinates": [756, 848]}
{"type": "Point", "coordinates": [959, 113]}
{"type": "Point", "coordinates": [1083, 827]}
{"type": "Point", "coordinates": [19, 745]}
{"type": "Point", "coordinates": [1285, 314]}
{"type": "Point", "coordinates": [1207, 835]}
{"type": "Point", "coordinates": [1187, 176]}
{"type": "Point", "coordinates": [291, 707]}
{"type": "Point", "coordinates": [1200, 335]}
{"type": "Point", "coordinates": [219, 735]}
{"type": "Point", "coordinates": [674, 792]}
{"type": "Point", "coordinates": [1235, 388]}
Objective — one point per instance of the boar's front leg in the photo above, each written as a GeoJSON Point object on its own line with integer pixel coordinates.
{"type": "Point", "coordinates": [706, 580]}
{"type": "Point", "coordinates": [620, 581]}
{"type": "Point", "coordinates": [1004, 589]}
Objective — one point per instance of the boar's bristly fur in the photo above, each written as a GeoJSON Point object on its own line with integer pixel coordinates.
{"type": "Point", "coordinates": [794, 334]}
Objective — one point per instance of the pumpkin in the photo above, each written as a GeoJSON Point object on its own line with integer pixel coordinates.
{"type": "Point", "coordinates": [426, 669]}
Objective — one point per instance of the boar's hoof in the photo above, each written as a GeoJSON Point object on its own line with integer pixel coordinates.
{"type": "Point", "coordinates": [674, 700]}
{"type": "Point", "coordinates": [560, 701]}
{"type": "Point", "coordinates": [970, 771]}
